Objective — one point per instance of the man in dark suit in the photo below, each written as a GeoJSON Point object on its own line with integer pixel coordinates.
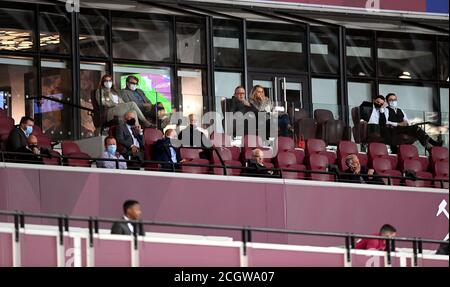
{"type": "Point", "coordinates": [131, 137]}
{"type": "Point", "coordinates": [131, 211]}
{"type": "Point", "coordinates": [255, 167]}
{"type": "Point", "coordinates": [32, 153]}
{"type": "Point", "coordinates": [399, 124]}
{"type": "Point", "coordinates": [164, 150]}
{"type": "Point", "coordinates": [132, 94]}
{"type": "Point", "coordinates": [237, 104]}
{"type": "Point", "coordinates": [374, 113]}
{"type": "Point", "coordinates": [18, 136]}
{"type": "Point", "coordinates": [356, 173]}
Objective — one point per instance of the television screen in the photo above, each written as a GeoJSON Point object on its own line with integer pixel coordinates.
{"type": "Point", "coordinates": [156, 88]}
{"type": "Point", "coordinates": [47, 106]}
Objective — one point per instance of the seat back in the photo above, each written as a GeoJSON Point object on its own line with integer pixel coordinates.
{"type": "Point", "coordinates": [69, 147]}
{"type": "Point", "coordinates": [305, 127]}
{"type": "Point", "coordinates": [441, 169]}
{"type": "Point", "coordinates": [220, 140]}
{"type": "Point", "coordinates": [314, 146]}
{"type": "Point", "coordinates": [252, 141]}
{"type": "Point", "coordinates": [54, 160]}
{"type": "Point", "coordinates": [381, 165]}
{"type": "Point", "coordinates": [345, 148]}
{"type": "Point", "coordinates": [285, 159]}
{"type": "Point", "coordinates": [359, 128]}
{"type": "Point", "coordinates": [285, 144]}
{"type": "Point", "coordinates": [377, 150]}
{"type": "Point", "coordinates": [406, 152]}
{"type": "Point", "coordinates": [196, 169]}
{"type": "Point", "coordinates": [190, 153]}
{"type": "Point", "coordinates": [319, 162]}
{"type": "Point", "coordinates": [322, 115]}
{"type": "Point", "coordinates": [82, 160]}
{"type": "Point", "coordinates": [151, 135]}
{"type": "Point", "coordinates": [438, 153]}
{"type": "Point", "coordinates": [412, 165]}
{"type": "Point", "coordinates": [224, 152]}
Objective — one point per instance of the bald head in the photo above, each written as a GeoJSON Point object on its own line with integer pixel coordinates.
{"type": "Point", "coordinates": [258, 155]}
{"type": "Point", "coordinates": [32, 140]}
{"type": "Point", "coordinates": [170, 133]}
{"type": "Point", "coordinates": [192, 119]}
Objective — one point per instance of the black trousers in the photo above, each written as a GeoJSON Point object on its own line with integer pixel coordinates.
{"type": "Point", "coordinates": [395, 134]}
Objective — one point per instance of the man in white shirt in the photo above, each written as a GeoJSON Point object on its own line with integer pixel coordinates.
{"type": "Point", "coordinates": [131, 212]}
{"type": "Point", "coordinates": [399, 125]}
{"type": "Point", "coordinates": [376, 115]}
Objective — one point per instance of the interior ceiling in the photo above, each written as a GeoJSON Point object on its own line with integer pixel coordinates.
{"type": "Point", "coordinates": [353, 21]}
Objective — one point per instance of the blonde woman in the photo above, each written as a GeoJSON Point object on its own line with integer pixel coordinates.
{"type": "Point", "coordinates": [259, 101]}
{"type": "Point", "coordinates": [108, 98]}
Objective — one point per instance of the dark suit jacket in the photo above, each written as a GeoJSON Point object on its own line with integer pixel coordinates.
{"type": "Point", "coordinates": [16, 139]}
{"type": "Point", "coordinates": [161, 152]}
{"type": "Point", "coordinates": [27, 156]}
{"type": "Point", "coordinates": [256, 170]}
{"type": "Point", "coordinates": [127, 95]}
{"type": "Point", "coordinates": [233, 105]}
{"type": "Point", "coordinates": [123, 229]}
{"type": "Point", "coordinates": [124, 138]}
{"type": "Point", "coordinates": [192, 137]}
{"type": "Point", "coordinates": [365, 110]}
{"type": "Point", "coordinates": [362, 177]}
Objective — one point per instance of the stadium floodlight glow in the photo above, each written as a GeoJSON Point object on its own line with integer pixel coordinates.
{"type": "Point", "coordinates": [405, 76]}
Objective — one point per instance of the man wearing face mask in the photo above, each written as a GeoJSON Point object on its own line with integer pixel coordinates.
{"type": "Point", "coordinates": [399, 124]}
{"type": "Point", "coordinates": [376, 116]}
{"type": "Point", "coordinates": [111, 153]}
{"type": "Point", "coordinates": [132, 94]}
{"type": "Point", "coordinates": [31, 152]}
{"type": "Point", "coordinates": [131, 137]}
{"type": "Point", "coordinates": [18, 136]}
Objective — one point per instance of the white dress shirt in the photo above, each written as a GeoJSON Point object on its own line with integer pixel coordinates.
{"type": "Point", "coordinates": [130, 226]}
{"type": "Point", "coordinates": [405, 118]}
{"type": "Point", "coordinates": [375, 116]}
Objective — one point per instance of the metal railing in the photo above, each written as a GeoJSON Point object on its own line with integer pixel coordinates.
{"type": "Point", "coordinates": [246, 231]}
{"type": "Point", "coordinates": [152, 165]}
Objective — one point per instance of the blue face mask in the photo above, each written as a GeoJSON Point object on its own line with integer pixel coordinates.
{"type": "Point", "coordinates": [29, 130]}
{"type": "Point", "coordinates": [112, 148]}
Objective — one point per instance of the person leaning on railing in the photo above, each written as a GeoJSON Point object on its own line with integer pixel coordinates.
{"type": "Point", "coordinates": [111, 153]}
{"type": "Point", "coordinates": [386, 230]}
{"type": "Point", "coordinates": [111, 100]}
{"type": "Point", "coordinates": [356, 173]}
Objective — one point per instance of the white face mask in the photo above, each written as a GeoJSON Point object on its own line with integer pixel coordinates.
{"type": "Point", "coordinates": [108, 84]}
{"type": "Point", "coordinates": [393, 104]}
{"type": "Point", "coordinates": [133, 87]}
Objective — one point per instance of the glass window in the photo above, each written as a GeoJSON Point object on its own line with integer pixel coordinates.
{"type": "Point", "coordinates": [276, 47]}
{"type": "Point", "coordinates": [55, 31]}
{"type": "Point", "coordinates": [358, 93]}
{"type": "Point", "coordinates": [191, 90]}
{"type": "Point", "coordinates": [190, 42]}
{"type": "Point", "coordinates": [325, 95]}
{"type": "Point", "coordinates": [153, 81]}
{"type": "Point", "coordinates": [227, 44]}
{"type": "Point", "coordinates": [359, 54]}
{"type": "Point", "coordinates": [443, 61]}
{"type": "Point", "coordinates": [404, 56]}
{"type": "Point", "coordinates": [55, 117]}
{"type": "Point", "coordinates": [15, 85]}
{"type": "Point", "coordinates": [142, 39]}
{"type": "Point", "coordinates": [90, 76]}
{"type": "Point", "coordinates": [93, 41]}
{"type": "Point", "coordinates": [16, 30]}
{"type": "Point", "coordinates": [225, 83]}
{"type": "Point", "coordinates": [324, 50]}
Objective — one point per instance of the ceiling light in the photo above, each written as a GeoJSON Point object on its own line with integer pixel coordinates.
{"type": "Point", "coordinates": [361, 74]}
{"type": "Point", "coordinates": [405, 75]}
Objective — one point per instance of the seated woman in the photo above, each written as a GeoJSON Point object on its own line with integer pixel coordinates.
{"type": "Point", "coordinates": [108, 98]}
{"type": "Point", "coordinates": [259, 101]}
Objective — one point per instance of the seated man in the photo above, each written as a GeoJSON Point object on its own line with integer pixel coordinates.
{"type": "Point", "coordinates": [398, 123]}
{"type": "Point", "coordinates": [18, 136]}
{"type": "Point", "coordinates": [31, 153]}
{"type": "Point", "coordinates": [374, 113]}
{"type": "Point", "coordinates": [111, 153]}
{"type": "Point", "coordinates": [238, 103]}
{"type": "Point", "coordinates": [132, 94]}
{"type": "Point", "coordinates": [164, 151]}
{"type": "Point", "coordinates": [386, 230]}
{"type": "Point", "coordinates": [192, 136]}
{"type": "Point", "coordinates": [131, 137]}
{"type": "Point", "coordinates": [256, 167]}
{"type": "Point", "coordinates": [131, 211]}
{"type": "Point", "coordinates": [356, 173]}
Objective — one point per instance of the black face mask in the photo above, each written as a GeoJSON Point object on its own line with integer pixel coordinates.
{"type": "Point", "coordinates": [131, 122]}
{"type": "Point", "coordinates": [378, 106]}
{"type": "Point", "coordinates": [32, 146]}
